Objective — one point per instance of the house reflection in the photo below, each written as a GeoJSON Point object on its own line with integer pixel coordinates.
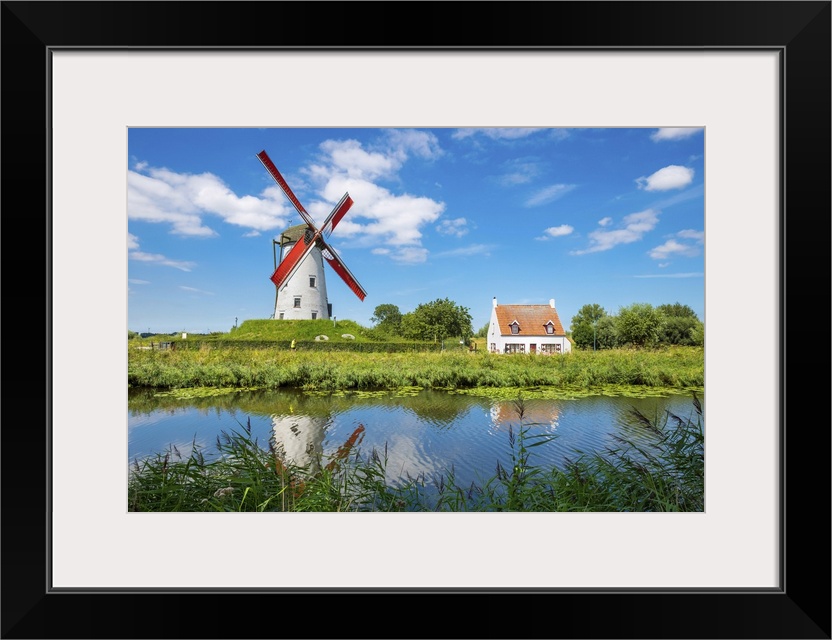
{"type": "Point", "coordinates": [544, 413]}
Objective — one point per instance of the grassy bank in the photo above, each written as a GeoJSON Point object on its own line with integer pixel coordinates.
{"type": "Point", "coordinates": [284, 331]}
{"type": "Point", "coordinates": [680, 367]}
{"type": "Point", "coordinates": [245, 476]}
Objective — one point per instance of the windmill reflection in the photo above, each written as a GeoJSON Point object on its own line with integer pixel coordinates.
{"type": "Point", "coordinates": [298, 441]}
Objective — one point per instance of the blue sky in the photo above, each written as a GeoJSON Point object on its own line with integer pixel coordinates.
{"type": "Point", "coordinates": [612, 216]}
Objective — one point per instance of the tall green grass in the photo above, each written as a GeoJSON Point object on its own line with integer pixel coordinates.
{"type": "Point", "coordinates": [677, 367]}
{"type": "Point", "coordinates": [245, 475]}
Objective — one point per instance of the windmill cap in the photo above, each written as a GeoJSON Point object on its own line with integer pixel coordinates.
{"type": "Point", "coordinates": [295, 233]}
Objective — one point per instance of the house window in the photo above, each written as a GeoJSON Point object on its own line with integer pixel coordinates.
{"type": "Point", "coordinates": [314, 315]}
{"type": "Point", "coordinates": [312, 281]}
{"type": "Point", "coordinates": [515, 328]}
{"type": "Point", "coordinates": [493, 347]}
{"type": "Point", "coordinates": [297, 302]}
{"type": "Point", "coordinates": [550, 328]}
{"type": "Point", "coordinates": [515, 348]}
{"type": "Point", "coordinates": [281, 315]}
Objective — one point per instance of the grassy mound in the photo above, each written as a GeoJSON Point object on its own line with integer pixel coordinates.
{"type": "Point", "coordinates": [302, 330]}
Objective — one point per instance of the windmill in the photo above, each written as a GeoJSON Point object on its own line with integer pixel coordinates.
{"type": "Point", "coordinates": [299, 278]}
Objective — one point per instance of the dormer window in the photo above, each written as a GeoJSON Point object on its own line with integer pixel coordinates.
{"type": "Point", "coordinates": [515, 328]}
{"type": "Point", "coordinates": [550, 328]}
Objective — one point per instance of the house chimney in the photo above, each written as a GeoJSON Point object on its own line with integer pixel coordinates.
{"type": "Point", "coordinates": [494, 302]}
{"type": "Point", "coordinates": [552, 303]}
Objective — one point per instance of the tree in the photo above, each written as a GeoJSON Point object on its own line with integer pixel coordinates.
{"type": "Point", "coordinates": [387, 318]}
{"type": "Point", "coordinates": [584, 332]}
{"type": "Point", "coordinates": [483, 331]}
{"type": "Point", "coordinates": [680, 324]}
{"type": "Point", "coordinates": [697, 335]}
{"type": "Point", "coordinates": [437, 320]}
{"type": "Point", "coordinates": [677, 310]}
{"type": "Point", "coordinates": [676, 330]}
{"type": "Point", "coordinates": [607, 333]}
{"type": "Point", "coordinates": [640, 324]}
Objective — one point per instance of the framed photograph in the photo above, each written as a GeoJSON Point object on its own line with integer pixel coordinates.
{"type": "Point", "coordinates": [754, 76]}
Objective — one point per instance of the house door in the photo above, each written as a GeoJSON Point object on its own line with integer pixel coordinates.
{"type": "Point", "coordinates": [532, 348]}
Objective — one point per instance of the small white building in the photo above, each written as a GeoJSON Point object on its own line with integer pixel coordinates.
{"type": "Point", "coordinates": [526, 328]}
{"type": "Point", "coordinates": [303, 297]}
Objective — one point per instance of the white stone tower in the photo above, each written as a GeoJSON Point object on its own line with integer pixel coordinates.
{"type": "Point", "coordinates": [303, 296]}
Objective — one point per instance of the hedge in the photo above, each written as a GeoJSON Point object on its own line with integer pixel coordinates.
{"type": "Point", "coordinates": [310, 345]}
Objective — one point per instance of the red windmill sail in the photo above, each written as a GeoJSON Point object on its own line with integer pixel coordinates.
{"type": "Point", "coordinates": [313, 236]}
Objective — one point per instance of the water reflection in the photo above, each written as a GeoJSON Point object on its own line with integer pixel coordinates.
{"type": "Point", "coordinates": [299, 439]}
{"type": "Point", "coordinates": [542, 415]}
{"type": "Point", "coordinates": [424, 433]}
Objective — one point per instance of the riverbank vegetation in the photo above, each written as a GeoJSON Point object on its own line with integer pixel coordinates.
{"type": "Point", "coordinates": [244, 475]}
{"type": "Point", "coordinates": [273, 367]}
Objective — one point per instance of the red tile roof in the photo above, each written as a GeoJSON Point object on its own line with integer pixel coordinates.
{"type": "Point", "coordinates": [532, 319]}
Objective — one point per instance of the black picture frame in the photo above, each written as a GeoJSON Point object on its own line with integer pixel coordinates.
{"type": "Point", "coordinates": [800, 31]}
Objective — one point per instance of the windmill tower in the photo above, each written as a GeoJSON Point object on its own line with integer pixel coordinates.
{"type": "Point", "coordinates": [299, 277]}
{"type": "Point", "coordinates": [303, 296]}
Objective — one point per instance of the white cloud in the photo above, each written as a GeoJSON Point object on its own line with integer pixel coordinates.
{"type": "Point", "coordinates": [182, 200]}
{"type": "Point", "coordinates": [519, 172]}
{"type": "Point", "coordinates": [674, 247]}
{"type": "Point", "coordinates": [674, 133]}
{"type": "Point", "coordinates": [457, 227]}
{"type": "Point", "coordinates": [137, 281]}
{"type": "Point", "coordinates": [378, 216]}
{"type": "Point", "coordinates": [559, 134]}
{"type": "Point", "coordinates": [692, 234]}
{"type": "Point", "coordinates": [635, 225]}
{"type": "Point", "coordinates": [556, 232]}
{"type": "Point", "coordinates": [133, 253]}
{"type": "Point", "coordinates": [158, 258]}
{"type": "Point", "coordinates": [470, 250]}
{"type": "Point", "coordinates": [549, 194]}
{"type": "Point", "coordinates": [670, 177]}
{"type": "Point", "coordinates": [421, 143]}
{"type": "Point", "coordinates": [194, 290]}
{"type": "Point", "coordinates": [380, 251]}
{"type": "Point", "coordinates": [349, 158]}
{"type": "Point", "coordinates": [500, 133]}
{"type": "Point", "coordinates": [605, 222]}
{"type": "Point", "coordinates": [410, 255]}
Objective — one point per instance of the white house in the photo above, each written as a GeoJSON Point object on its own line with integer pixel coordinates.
{"type": "Point", "coordinates": [303, 297]}
{"type": "Point", "coordinates": [526, 328]}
